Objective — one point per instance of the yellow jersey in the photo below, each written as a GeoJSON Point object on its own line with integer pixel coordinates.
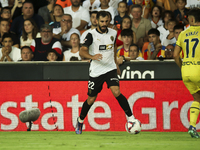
{"type": "Point", "coordinates": [188, 40]}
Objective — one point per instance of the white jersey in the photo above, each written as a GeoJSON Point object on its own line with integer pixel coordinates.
{"type": "Point", "coordinates": [68, 54]}
{"type": "Point", "coordinates": [99, 43]}
{"type": "Point", "coordinates": [84, 34]}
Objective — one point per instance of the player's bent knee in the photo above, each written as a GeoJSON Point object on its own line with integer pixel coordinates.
{"type": "Point", "coordinates": [91, 100]}
{"type": "Point", "coordinates": [196, 96]}
{"type": "Point", "coordinates": [116, 93]}
{"type": "Point", "coordinates": [115, 90]}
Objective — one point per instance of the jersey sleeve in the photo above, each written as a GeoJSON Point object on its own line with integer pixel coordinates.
{"type": "Point", "coordinates": [88, 40]}
{"type": "Point", "coordinates": [178, 43]}
{"type": "Point", "coordinates": [83, 35]}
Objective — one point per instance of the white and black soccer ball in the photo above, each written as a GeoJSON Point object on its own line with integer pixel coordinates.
{"type": "Point", "coordinates": [133, 127]}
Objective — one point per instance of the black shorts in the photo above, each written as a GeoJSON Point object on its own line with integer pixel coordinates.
{"type": "Point", "coordinates": [95, 84]}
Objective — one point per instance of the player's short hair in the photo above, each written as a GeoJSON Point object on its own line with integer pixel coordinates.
{"type": "Point", "coordinates": [195, 12]}
{"type": "Point", "coordinates": [133, 44]}
{"type": "Point", "coordinates": [154, 31]}
{"type": "Point", "coordinates": [27, 48]}
{"type": "Point", "coordinates": [102, 14]}
{"type": "Point", "coordinates": [123, 2]}
{"type": "Point", "coordinates": [178, 26]}
{"type": "Point", "coordinates": [46, 26]}
{"type": "Point", "coordinates": [93, 12]}
{"type": "Point", "coordinates": [160, 9]}
{"type": "Point", "coordinates": [127, 32]}
{"type": "Point", "coordinates": [109, 15]}
{"type": "Point", "coordinates": [7, 35]}
{"type": "Point", "coordinates": [136, 6]}
{"type": "Point", "coordinates": [167, 12]}
{"type": "Point", "coordinates": [181, 0]}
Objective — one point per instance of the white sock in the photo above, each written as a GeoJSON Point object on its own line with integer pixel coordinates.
{"type": "Point", "coordinates": [131, 118]}
{"type": "Point", "coordinates": [79, 120]}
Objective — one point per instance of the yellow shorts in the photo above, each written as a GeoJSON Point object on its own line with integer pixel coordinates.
{"type": "Point", "coordinates": [191, 78]}
{"type": "Point", "coordinates": [192, 84]}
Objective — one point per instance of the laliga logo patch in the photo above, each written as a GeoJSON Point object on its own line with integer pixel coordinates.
{"type": "Point", "coordinates": [112, 38]}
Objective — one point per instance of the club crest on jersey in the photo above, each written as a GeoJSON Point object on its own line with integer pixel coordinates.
{"type": "Point", "coordinates": [112, 38]}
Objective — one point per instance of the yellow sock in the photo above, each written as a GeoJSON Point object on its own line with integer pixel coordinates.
{"type": "Point", "coordinates": [194, 113]}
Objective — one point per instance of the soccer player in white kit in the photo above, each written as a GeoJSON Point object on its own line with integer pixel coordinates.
{"type": "Point", "coordinates": [99, 46]}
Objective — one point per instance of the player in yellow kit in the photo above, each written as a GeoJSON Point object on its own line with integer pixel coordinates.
{"type": "Point", "coordinates": [189, 41]}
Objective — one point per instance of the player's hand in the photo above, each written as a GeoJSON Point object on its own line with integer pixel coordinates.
{"type": "Point", "coordinates": [97, 57]}
{"type": "Point", "coordinates": [118, 70]}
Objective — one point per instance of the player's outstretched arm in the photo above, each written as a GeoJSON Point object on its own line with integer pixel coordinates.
{"type": "Point", "coordinates": [177, 58]}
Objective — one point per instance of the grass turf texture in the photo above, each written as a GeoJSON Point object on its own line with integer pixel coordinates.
{"type": "Point", "coordinates": [55, 140]}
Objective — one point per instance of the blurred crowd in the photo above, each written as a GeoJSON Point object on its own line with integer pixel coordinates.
{"type": "Point", "coordinates": [146, 29]}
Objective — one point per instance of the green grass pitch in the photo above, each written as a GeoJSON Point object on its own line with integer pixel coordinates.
{"type": "Point", "coordinates": [57, 140]}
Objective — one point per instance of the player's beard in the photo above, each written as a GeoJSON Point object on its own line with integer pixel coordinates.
{"type": "Point", "coordinates": [103, 30]}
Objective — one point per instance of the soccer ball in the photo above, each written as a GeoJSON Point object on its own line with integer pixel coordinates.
{"type": "Point", "coordinates": [133, 127]}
